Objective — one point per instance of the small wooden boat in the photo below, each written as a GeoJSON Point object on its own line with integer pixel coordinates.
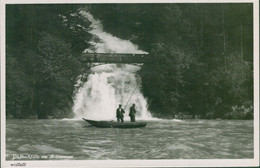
{"type": "Point", "coordinates": [113, 124]}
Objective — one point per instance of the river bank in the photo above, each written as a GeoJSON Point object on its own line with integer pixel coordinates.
{"type": "Point", "coordinates": [183, 117]}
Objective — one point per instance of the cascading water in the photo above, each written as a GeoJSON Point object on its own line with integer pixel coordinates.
{"type": "Point", "coordinates": [111, 84]}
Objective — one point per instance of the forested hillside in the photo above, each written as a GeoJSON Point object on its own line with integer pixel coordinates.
{"type": "Point", "coordinates": [41, 60]}
{"type": "Point", "coordinates": [202, 56]}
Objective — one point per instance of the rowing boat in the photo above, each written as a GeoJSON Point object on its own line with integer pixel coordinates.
{"type": "Point", "coordinates": [113, 124]}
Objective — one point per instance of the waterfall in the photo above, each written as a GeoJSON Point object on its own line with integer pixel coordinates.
{"type": "Point", "coordinates": [111, 84]}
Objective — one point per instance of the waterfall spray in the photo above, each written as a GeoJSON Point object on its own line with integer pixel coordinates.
{"type": "Point", "coordinates": [111, 84]}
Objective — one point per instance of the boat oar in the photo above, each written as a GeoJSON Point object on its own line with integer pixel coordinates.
{"type": "Point", "coordinates": [131, 95]}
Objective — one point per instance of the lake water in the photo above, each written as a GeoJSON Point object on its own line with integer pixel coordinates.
{"type": "Point", "coordinates": [163, 139]}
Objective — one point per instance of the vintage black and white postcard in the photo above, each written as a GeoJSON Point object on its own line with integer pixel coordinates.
{"type": "Point", "coordinates": [129, 83]}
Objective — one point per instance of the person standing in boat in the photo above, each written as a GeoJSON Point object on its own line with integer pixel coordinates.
{"type": "Point", "coordinates": [120, 113]}
{"type": "Point", "coordinates": [132, 113]}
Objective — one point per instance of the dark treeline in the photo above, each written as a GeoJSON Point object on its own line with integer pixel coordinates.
{"type": "Point", "coordinates": [202, 56]}
{"type": "Point", "coordinates": [42, 59]}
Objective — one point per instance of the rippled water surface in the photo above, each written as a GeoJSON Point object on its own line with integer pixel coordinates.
{"type": "Point", "coordinates": [77, 140]}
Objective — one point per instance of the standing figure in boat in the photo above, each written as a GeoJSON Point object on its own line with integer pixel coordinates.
{"type": "Point", "coordinates": [132, 113]}
{"type": "Point", "coordinates": [120, 113]}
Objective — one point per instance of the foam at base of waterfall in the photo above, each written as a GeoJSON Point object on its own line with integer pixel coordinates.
{"type": "Point", "coordinates": [106, 88]}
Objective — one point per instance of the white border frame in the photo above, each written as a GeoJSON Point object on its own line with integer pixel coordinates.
{"type": "Point", "coordinates": [136, 163]}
